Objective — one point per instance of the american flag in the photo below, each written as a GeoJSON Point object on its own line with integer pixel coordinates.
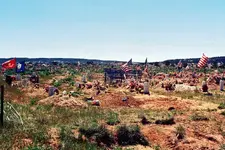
{"type": "Point", "coordinates": [146, 65]}
{"type": "Point", "coordinates": [203, 61]}
{"type": "Point", "coordinates": [180, 64]}
{"type": "Point", "coordinates": [138, 67]}
{"type": "Point", "coordinates": [125, 67]}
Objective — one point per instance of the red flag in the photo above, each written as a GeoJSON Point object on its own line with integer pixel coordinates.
{"type": "Point", "coordinates": [203, 61]}
{"type": "Point", "coordinates": [10, 64]}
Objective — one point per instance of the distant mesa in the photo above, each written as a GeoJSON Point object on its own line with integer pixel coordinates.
{"type": "Point", "coordinates": [91, 61]}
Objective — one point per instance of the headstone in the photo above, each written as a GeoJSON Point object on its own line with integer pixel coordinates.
{"type": "Point", "coordinates": [64, 92]}
{"type": "Point", "coordinates": [167, 76]}
{"type": "Point", "coordinates": [221, 85]}
{"type": "Point", "coordinates": [34, 74]}
{"type": "Point", "coordinates": [84, 79]}
{"type": "Point", "coordinates": [204, 86]}
{"type": "Point", "coordinates": [18, 77]}
{"type": "Point", "coordinates": [51, 91]}
{"type": "Point", "coordinates": [146, 87]}
{"type": "Point", "coordinates": [77, 84]}
{"type": "Point", "coordinates": [24, 82]}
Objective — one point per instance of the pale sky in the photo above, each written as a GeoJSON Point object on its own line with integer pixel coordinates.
{"type": "Point", "coordinates": [112, 29]}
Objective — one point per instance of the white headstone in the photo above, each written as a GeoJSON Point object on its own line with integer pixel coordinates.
{"type": "Point", "coordinates": [84, 78]}
{"type": "Point", "coordinates": [64, 92]}
{"type": "Point", "coordinates": [221, 85]}
{"type": "Point", "coordinates": [146, 87]}
{"type": "Point", "coordinates": [18, 77]}
{"type": "Point", "coordinates": [24, 82]}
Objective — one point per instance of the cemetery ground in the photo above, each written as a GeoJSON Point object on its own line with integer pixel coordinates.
{"type": "Point", "coordinates": [164, 120]}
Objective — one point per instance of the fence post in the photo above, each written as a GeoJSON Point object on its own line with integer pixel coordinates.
{"type": "Point", "coordinates": [105, 78]}
{"type": "Point", "coordinates": [2, 102]}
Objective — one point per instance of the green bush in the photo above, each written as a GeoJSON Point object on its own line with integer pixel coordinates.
{"type": "Point", "coordinates": [180, 132]}
{"type": "Point", "coordinates": [39, 137]}
{"type": "Point", "coordinates": [77, 93]}
{"type": "Point", "coordinates": [222, 147]}
{"type": "Point", "coordinates": [130, 136]}
{"type": "Point", "coordinates": [166, 121]}
{"type": "Point", "coordinates": [68, 141]}
{"type": "Point", "coordinates": [223, 113]}
{"type": "Point", "coordinates": [35, 147]}
{"type": "Point", "coordinates": [57, 83]}
{"type": "Point", "coordinates": [33, 101]}
{"type": "Point", "coordinates": [156, 147]}
{"type": "Point", "coordinates": [113, 119]}
{"type": "Point", "coordinates": [72, 83]}
{"type": "Point", "coordinates": [44, 73]}
{"type": "Point", "coordinates": [198, 117]}
{"type": "Point", "coordinates": [221, 106]}
{"type": "Point", "coordinates": [68, 79]}
{"type": "Point", "coordinates": [100, 134]}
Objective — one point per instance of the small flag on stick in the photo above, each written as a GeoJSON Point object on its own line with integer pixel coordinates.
{"type": "Point", "coordinates": [10, 64]}
{"type": "Point", "coordinates": [20, 67]}
{"type": "Point", "coordinates": [125, 67]}
{"type": "Point", "coordinates": [146, 65]}
{"type": "Point", "coordinates": [203, 61]}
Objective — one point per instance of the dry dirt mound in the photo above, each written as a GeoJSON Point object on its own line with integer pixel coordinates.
{"type": "Point", "coordinates": [166, 138]}
{"type": "Point", "coordinates": [34, 92]}
{"type": "Point", "coordinates": [21, 143]}
{"type": "Point", "coordinates": [114, 100]}
{"type": "Point", "coordinates": [200, 140]}
{"type": "Point", "coordinates": [138, 147]}
{"type": "Point", "coordinates": [54, 140]}
{"type": "Point", "coordinates": [62, 101]}
{"type": "Point", "coordinates": [163, 103]}
{"type": "Point", "coordinates": [158, 136]}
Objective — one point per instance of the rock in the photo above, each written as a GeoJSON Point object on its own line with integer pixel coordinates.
{"type": "Point", "coordinates": [171, 108]}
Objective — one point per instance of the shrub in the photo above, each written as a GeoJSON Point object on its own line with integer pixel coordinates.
{"type": "Point", "coordinates": [68, 141]}
{"type": "Point", "coordinates": [37, 148]}
{"type": "Point", "coordinates": [72, 83]}
{"type": "Point", "coordinates": [67, 80]}
{"type": "Point", "coordinates": [167, 121]}
{"type": "Point", "coordinates": [221, 106]}
{"type": "Point", "coordinates": [100, 134]}
{"type": "Point", "coordinates": [144, 120]}
{"type": "Point", "coordinates": [57, 83]}
{"type": "Point", "coordinates": [157, 147]}
{"type": "Point", "coordinates": [222, 147]}
{"type": "Point", "coordinates": [223, 133]}
{"type": "Point", "coordinates": [77, 93]}
{"type": "Point", "coordinates": [39, 137]}
{"type": "Point", "coordinates": [223, 113]}
{"type": "Point", "coordinates": [33, 101]}
{"type": "Point", "coordinates": [112, 119]}
{"type": "Point", "coordinates": [180, 132]}
{"type": "Point", "coordinates": [198, 117]}
{"type": "Point", "coordinates": [44, 73]}
{"type": "Point", "coordinates": [130, 136]}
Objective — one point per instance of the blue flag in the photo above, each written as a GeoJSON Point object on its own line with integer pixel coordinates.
{"type": "Point", "coordinates": [20, 67]}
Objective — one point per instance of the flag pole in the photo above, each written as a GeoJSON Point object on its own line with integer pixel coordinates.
{"type": "Point", "coordinates": [205, 72]}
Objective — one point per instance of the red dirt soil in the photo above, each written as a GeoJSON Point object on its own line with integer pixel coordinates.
{"type": "Point", "coordinates": [114, 100]}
